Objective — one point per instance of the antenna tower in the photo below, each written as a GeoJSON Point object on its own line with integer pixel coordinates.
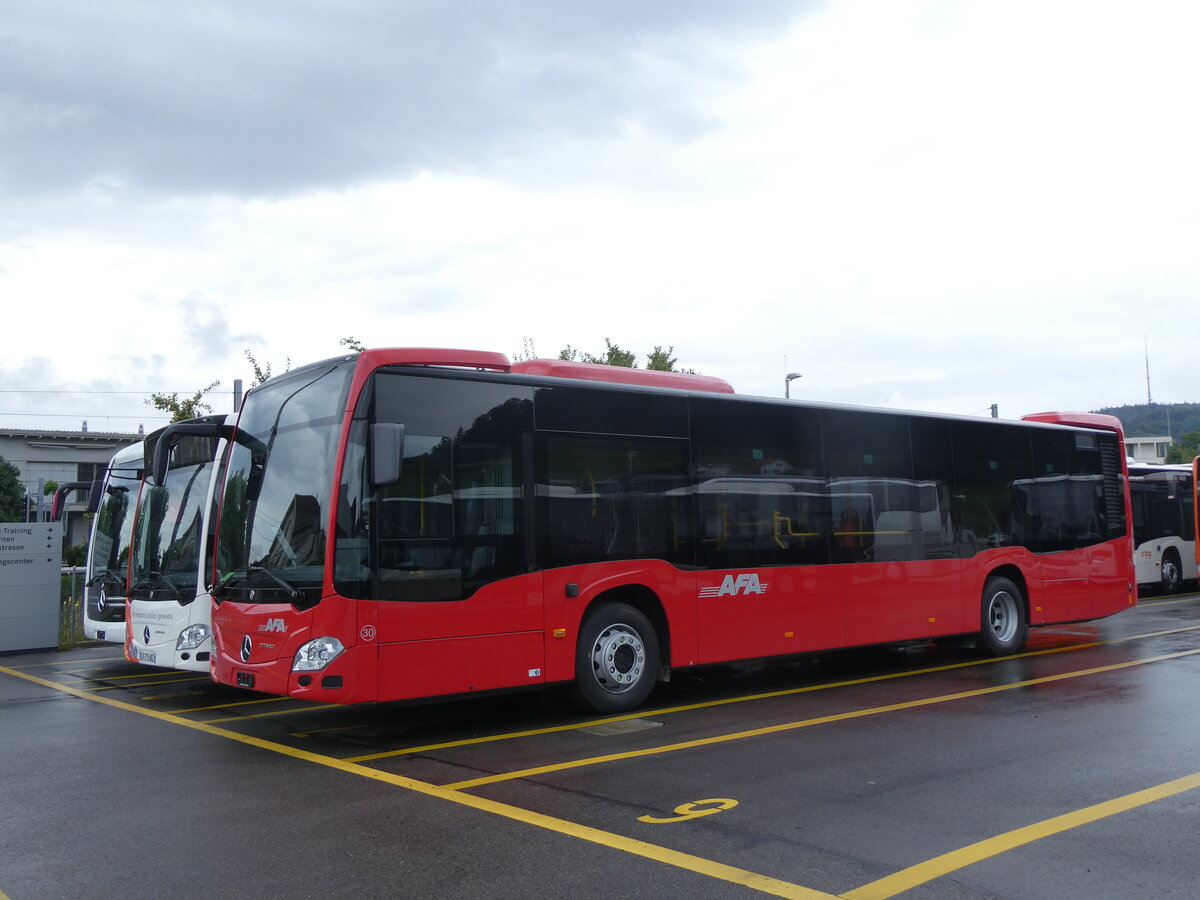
{"type": "Point", "coordinates": [1149, 399]}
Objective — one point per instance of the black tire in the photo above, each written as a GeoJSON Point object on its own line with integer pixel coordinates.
{"type": "Point", "coordinates": [1002, 623]}
{"type": "Point", "coordinates": [616, 659]}
{"type": "Point", "coordinates": [1171, 573]}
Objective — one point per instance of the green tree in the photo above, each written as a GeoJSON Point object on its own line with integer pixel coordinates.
{"type": "Point", "coordinates": [261, 374]}
{"type": "Point", "coordinates": [352, 343]}
{"type": "Point", "coordinates": [187, 408]}
{"type": "Point", "coordinates": [613, 356]}
{"type": "Point", "coordinates": [12, 495]}
{"type": "Point", "coordinates": [1185, 449]}
{"type": "Point", "coordinates": [1152, 419]}
{"type": "Point", "coordinates": [527, 352]}
{"type": "Point", "coordinates": [659, 360]}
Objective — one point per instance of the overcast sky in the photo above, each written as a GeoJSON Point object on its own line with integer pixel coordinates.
{"type": "Point", "coordinates": [915, 204]}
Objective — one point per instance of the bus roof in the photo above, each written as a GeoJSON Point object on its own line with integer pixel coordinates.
{"type": "Point", "coordinates": [561, 368]}
{"type": "Point", "coordinates": [619, 376]}
{"type": "Point", "coordinates": [1081, 420]}
{"type": "Point", "coordinates": [552, 368]}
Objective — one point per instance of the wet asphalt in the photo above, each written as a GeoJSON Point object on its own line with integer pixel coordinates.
{"type": "Point", "coordinates": [1064, 772]}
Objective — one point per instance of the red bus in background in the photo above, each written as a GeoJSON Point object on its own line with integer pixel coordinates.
{"type": "Point", "coordinates": [1196, 504]}
{"type": "Point", "coordinates": [405, 523]}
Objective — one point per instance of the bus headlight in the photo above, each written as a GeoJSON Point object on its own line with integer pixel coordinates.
{"type": "Point", "coordinates": [192, 637]}
{"type": "Point", "coordinates": [317, 654]}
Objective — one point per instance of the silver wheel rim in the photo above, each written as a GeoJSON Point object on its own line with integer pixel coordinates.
{"type": "Point", "coordinates": [618, 658]}
{"type": "Point", "coordinates": [1002, 616]}
{"type": "Point", "coordinates": [1170, 572]}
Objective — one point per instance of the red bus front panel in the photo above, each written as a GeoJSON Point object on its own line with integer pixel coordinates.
{"type": "Point", "coordinates": [460, 665]}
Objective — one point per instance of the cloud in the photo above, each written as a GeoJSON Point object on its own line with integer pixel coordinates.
{"type": "Point", "coordinates": [933, 204]}
{"type": "Point", "coordinates": [205, 328]}
{"type": "Point", "coordinates": [254, 98]}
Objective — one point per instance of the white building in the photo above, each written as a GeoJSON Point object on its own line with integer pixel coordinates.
{"type": "Point", "coordinates": [61, 456]}
{"type": "Point", "coordinates": [1148, 449]}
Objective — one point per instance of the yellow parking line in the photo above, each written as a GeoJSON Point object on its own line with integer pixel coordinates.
{"type": "Point", "coordinates": [228, 705]}
{"type": "Point", "coordinates": [100, 688]}
{"type": "Point", "coordinates": [1178, 601]}
{"type": "Point", "coordinates": [136, 684]}
{"type": "Point", "coordinates": [665, 855]}
{"type": "Point", "coordinates": [276, 712]}
{"type": "Point", "coordinates": [166, 673]}
{"type": "Point", "coordinates": [1002, 843]}
{"type": "Point", "coordinates": [792, 726]}
{"type": "Point", "coordinates": [786, 692]}
{"type": "Point", "coordinates": [71, 662]}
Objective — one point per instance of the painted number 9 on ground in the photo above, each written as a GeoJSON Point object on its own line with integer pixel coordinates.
{"type": "Point", "coordinates": [693, 810]}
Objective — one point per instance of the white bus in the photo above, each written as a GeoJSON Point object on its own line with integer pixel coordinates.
{"type": "Point", "coordinates": [170, 608]}
{"type": "Point", "coordinates": [1164, 525]}
{"type": "Point", "coordinates": [114, 504]}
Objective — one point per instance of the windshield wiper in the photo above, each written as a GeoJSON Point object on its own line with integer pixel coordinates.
{"type": "Point", "coordinates": [230, 578]}
{"type": "Point", "coordinates": [293, 592]}
{"type": "Point", "coordinates": [157, 579]}
{"type": "Point", "coordinates": [106, 575]}
{"type": "Point", "coordinates": [163, 578]}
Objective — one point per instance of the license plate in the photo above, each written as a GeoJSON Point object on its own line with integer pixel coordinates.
{"type": "Point", "coordinates": [149, 657]}
{"type": "Point", "coordinates": [245, 679]}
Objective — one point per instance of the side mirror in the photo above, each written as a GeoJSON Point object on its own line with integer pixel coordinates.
{"type": "Point", "coordinates": [95, 492]}
{"type": "Point", "coordinates": [165, 440]}
{"type": "Point", "coordinates": [60, 497]}
{"type": "Point", "coordinates": [386, 453]}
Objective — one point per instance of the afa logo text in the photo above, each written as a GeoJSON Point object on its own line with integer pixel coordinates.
{"type": "Point", "coordinates": [742, 584]}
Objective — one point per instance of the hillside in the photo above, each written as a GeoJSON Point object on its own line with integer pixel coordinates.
{"type": "Point", "coordinates": [1150, 419]}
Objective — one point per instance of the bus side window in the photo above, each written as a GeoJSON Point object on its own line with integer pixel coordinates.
{"type": "Point", "coordinates": [993, 471]}
{"type": "Point", "coordinates": [611, 498]}
{"type": "Point", "coordinates": [451, 523]}
{"type": "Point", "coordinates": [758, 485]}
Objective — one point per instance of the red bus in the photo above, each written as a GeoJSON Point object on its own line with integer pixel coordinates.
{"type": "Point", "coordinates": [405, 523]}
{"type": "Point", "coordinates": [1196, 505]}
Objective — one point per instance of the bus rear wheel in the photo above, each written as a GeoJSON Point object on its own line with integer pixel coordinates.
{"type": "Point", "coordinates": [1171, 573]}
{"type": "Point", "coordinates": [1002, 617]}
{"type": "Point", "coordinates": [616, 659]}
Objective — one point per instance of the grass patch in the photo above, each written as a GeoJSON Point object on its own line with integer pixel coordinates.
{"type": "Point", "coordinates": [70, 611]}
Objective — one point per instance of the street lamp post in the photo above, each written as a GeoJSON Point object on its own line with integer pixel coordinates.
{"type": "Point", "coordinates": [787, 384]}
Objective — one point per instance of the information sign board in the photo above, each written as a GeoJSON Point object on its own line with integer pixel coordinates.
{"type": "Point", "coordinates": [30, 579]}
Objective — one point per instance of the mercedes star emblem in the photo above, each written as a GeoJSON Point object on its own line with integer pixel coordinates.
{"type": "Point", "coordinates": [246, 647]}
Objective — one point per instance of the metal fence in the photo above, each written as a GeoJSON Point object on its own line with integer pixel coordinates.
{"type": "Point", "coordinates": [70, 609]}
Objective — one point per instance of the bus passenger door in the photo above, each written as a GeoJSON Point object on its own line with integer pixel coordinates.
{"type": "Point", "coordinates": [1109, 578]}
{"type": "Point", "coordinates": [1066, 582]}
{"type": "Point", "coordinates": [765, 586]}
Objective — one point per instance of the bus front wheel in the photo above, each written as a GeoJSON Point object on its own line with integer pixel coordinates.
{"type": "Point", "coordinates": [1171, 573]}
{"type": "Point", "coordinates": [616, 659]}
{"type": "Point", "coordinates": [1003, 626]}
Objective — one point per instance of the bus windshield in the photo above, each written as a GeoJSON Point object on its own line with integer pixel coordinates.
{"type": "Point", "coordinates": [109, 558]}
{"type": "Point", "coordinates": [275, 499]}
{"type": "Point", "coordinates": [170, 527]}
